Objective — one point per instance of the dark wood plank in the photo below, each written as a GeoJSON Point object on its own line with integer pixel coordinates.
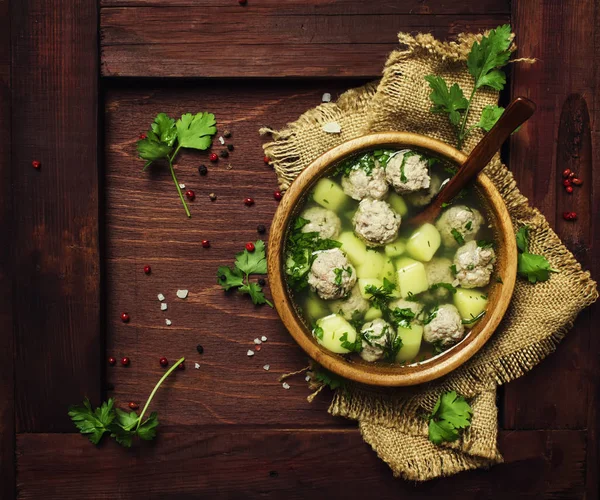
{"type": "Point", "coordinates": [146, 224]}
{"type": "Point", "coordinates": [564, 391]}
{"type": "Point", "coordinates": [56, 266]}
{"type": "Point", "coordinates": [192, 42]}
{"type": "Point", "coordinates": [7, 402]}
{"type": "Point", "coordinates": [562, 83]}
{"type": "Point", "coordinates": [286, 463]}
{"type": "Point", "coordinates": [293, 7]}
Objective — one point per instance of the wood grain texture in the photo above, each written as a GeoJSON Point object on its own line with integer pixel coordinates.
{"type": "Point", "coordinates": [564, 85]}
{"type": "Point", "coordinates": [192, 42]}
{"type": "Point", "coordinates": [294, 7]}
{"type": "Point", "coordinates": [286, 463]}
{"type": "Point", "coordinates": [146, 224]}
{"type": "Point", "coordinates": [55, 235]}
{"type": "Point", "coordinates": [7, 403]}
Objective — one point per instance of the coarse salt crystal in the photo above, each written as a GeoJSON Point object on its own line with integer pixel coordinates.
{"type": "Point", "coordinates": [326, 97]}
{"type": "Point", "coordinates": [250, 352]}
{"type": "Point", "coordinates": [257, 341]}
{"type": "Point", "coordinates": [307, 378]}
{"type": "Point", "coordinates": [197, 366]}
{"type": "Point", "coordinates": [332, 128]}
{"type": "Point", "coordinates": [266, 367]}
{"type": "Point", "coordinates": [161, 297]}
{"type": "Point", "coordinates": [163, 306]}
{"type": "Point", "coordinates": [286, 385]}
{"type": "Point", "coordinates": [168, 322]}
{"type": "Point", "coordinates": [221, 140]}
{"type": "Point", "coordinates": [182, 185]}
{"type": "Point", "coordinates": [263, 338]}
{"type": "Point", "coordinates": [182, 294]}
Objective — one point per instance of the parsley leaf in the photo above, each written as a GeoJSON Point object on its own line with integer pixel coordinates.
{"type": "Point", "coordinates": [450, 415]}
{"type": "Point", "coordinates": [523, 238]}
{"type": "Point", "coordinates": [380, 296]}
{"type": "Point", "coordinates": [93, 423]}
{"type": "Point", "coordinates": [196, 131]}
{"type": "Point", "coordinates": [318, 332]}
{"type": "Point", "coordinates": [489, 117]}
{"type": "Point", "coordinates": [445, 100]}
{"type": "Point", "coordinates": [401, 317]}
{"type": "Point", "coordinates": [122, 426]}
{"type": "Point", "coordinates": [487, 56]}
{"type": "Point", "coordinates": [458, 236]}
{"type": "Point", "coordinates": [531, 266]}
{"type": "Point", "coordinates": [238, 276]}
{"type": "Point", "coordinates": [327, 378]}
{"type": "Point", "coordinates": [190, 131]}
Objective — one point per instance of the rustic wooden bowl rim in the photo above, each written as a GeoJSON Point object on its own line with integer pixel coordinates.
{"type": "Point", "coordinates": [386, 375]}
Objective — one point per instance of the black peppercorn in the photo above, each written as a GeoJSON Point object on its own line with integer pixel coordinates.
{"type": "Point", "coordinates": [212, 196]}
{"type": "Point", "coordinates": [200, 349]}
{"type": "Point", "coordinates": [227, 134]}
{"type": "Point", "coordinates": [261, 229]}
{"type": "Point", "coordinates": [230, 147]}
{"type": "Point", "coordinates": [224, 153]}
{"type": "Point", "coordinates": [261, 281]}
{"type": "Point", "coordinates": [202, 170]}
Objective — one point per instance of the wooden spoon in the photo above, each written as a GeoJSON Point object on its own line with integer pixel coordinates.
{"type": "Point", "coordinates": [517, 113]}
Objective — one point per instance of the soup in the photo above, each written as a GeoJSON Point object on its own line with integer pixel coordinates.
{"type": "Point", "coordinates": [374, 289]}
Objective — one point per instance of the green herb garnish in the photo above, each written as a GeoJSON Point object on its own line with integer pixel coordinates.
{"type": "Point", "coordinates": [473, 319]}
{"type": "Point", "coordinates": [402, 317]}
{"type": "Point", "coordinates": [531, 266]}
{"type": "Point", "coordinates": [355, 346]}
{"type": "Point", "coordinates": [450, 415]}
{"type": "Point", "coordinates": [485, 244]}
{"type": "Point", "coordinates": [318, 332]}
{"type": "Point", "coordinates": [166, 137]}
{"type": "Point", "coordinates": [405, 157]}
{"type": "Point", "coordinates": [238, 276]}
{"type": "Point", "coordinates": [458, 236]}
{"type": "Point", "coordinates": [447, 286]}
{"type": "Point", "coordinates": [121, 425]}
{"type": "Point", "coordinates": [484, 63]}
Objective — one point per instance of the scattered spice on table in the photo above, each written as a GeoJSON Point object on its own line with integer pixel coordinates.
{"type": "Point", "coordinates": [258, 347]}
{"type": "Point", "coordinates": [277, 195]}
{"type": "Point", "coordinates": [257, 341]}
{"type": "Point", "coordinates": [261, 229]}
{"type": "Point", "coordinates": [181, 185]}
{"type": "Point", "coordinates": [200, 349]}
{"type": "Point", "coordinates": [250, 353]}
{"type": "Point", "coordinates": [168, 322]}
{"type": "Point", "coordinates": [266, 367]}
{"type": "Point", "coordinates": [212, 196]}
{"type": "Point", "coordinates": [161, 297]}
{"type": "Point", "coordinates": [163, 361]}
{"type": "Point", "coordinates": [248, 202]}
{"type": "Point", "coordinates": [221, 140]}
{"type": "Point", "coordinates": [285, 385]}
{"type": "Point", "coordinates": [213, 157]}
{"type": "Point", "coordinates": [224, 153]}
{"type": "Point", "coordinates": [125, 317]}
{"type": "Point", "coordinates": [133, 405]}
{"type": "Point", "coordinates": [227, 134]}
{"type": "Point", "coordinates": [163, 306]}
{"type": "Point", "coordinates": [263, 338]}
{"type": "Point", "coordinates": [147, 269]}
{"type": "Point", "coordinates": [326, 97]}
{"type": "Point", "coordinates": [112, 361]}
{"type": "Point", "coordinates": [36, 164]}
{"type": "Point", "coordinates": [570, 216]}
{"type": "Point", "coordinates": [230, 147]}
{"type": "Point", "coordinates": [202, 170]}
{"type": "Point", "coordinates": [182, 294]}
{"type": "Point", "coordinates": [190, 195]}
{"type": "Point", "coordinates": [197, 366]}
{"type": "Point", "coordinates": [266, 159]}
{"type": "Point", "coordinates": [125, 361]}
{"type": "Point", "coordinates": [205, 244]}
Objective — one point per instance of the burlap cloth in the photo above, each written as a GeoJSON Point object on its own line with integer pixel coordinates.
{"type": "Point", "coordinates": [391, 420]}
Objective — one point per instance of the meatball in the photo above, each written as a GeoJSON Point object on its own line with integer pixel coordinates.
{"type": "Point", "coordinates": [407, 171]}
{"type": "Point", "coordinates": [375, 336]}
{"type": "Point", "coordinates": [354, 304]}
{"type": "Point", "coordinates": [415, 307]}
{"type": "Point", "coordinates": [331, 275]}
{"type": "Point", "coordinates": [359, 183]}
{"type": "Point", "coordinates": [322, 221]}
{"type": "Point", "coordinates": [445, 327]}
{"type": "Point", "coordinates": [438, 271]}
{"type": "Point", "coordinates": [375, 222]}
{"type": "Point", "coordinates": [474, 265]}
{"type": "Point", "coordinates": [467, 221]}
{"type": "Point", "coordinates": [424, 197]}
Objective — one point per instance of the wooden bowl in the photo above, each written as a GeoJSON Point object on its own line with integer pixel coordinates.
{"type": "Point", "coordinates": [386, 374]}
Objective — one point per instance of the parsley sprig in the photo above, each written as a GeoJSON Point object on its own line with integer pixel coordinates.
{"type": "Point", "coordinates": [529, 265]}
{"type": "Point", "coordinates": [451, 414]}
{"type": "Point", "coordinates": [238, 276]}
{"type": "Point", "coordinates": [166, 137]}
{"type": "Point", "coordinates": [484, 63]}
{"type": "Point", "coordinates": [121, 425]}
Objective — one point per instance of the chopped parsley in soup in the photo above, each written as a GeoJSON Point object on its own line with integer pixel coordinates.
{"type": "Point", "coordinates": [368, 286]}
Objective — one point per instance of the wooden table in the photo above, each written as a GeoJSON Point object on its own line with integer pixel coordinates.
{"type": "Point", "coordinates": [79, 82]}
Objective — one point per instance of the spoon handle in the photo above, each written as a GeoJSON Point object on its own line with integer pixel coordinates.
{"type": "Point", "coordinates": [518, 112]}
